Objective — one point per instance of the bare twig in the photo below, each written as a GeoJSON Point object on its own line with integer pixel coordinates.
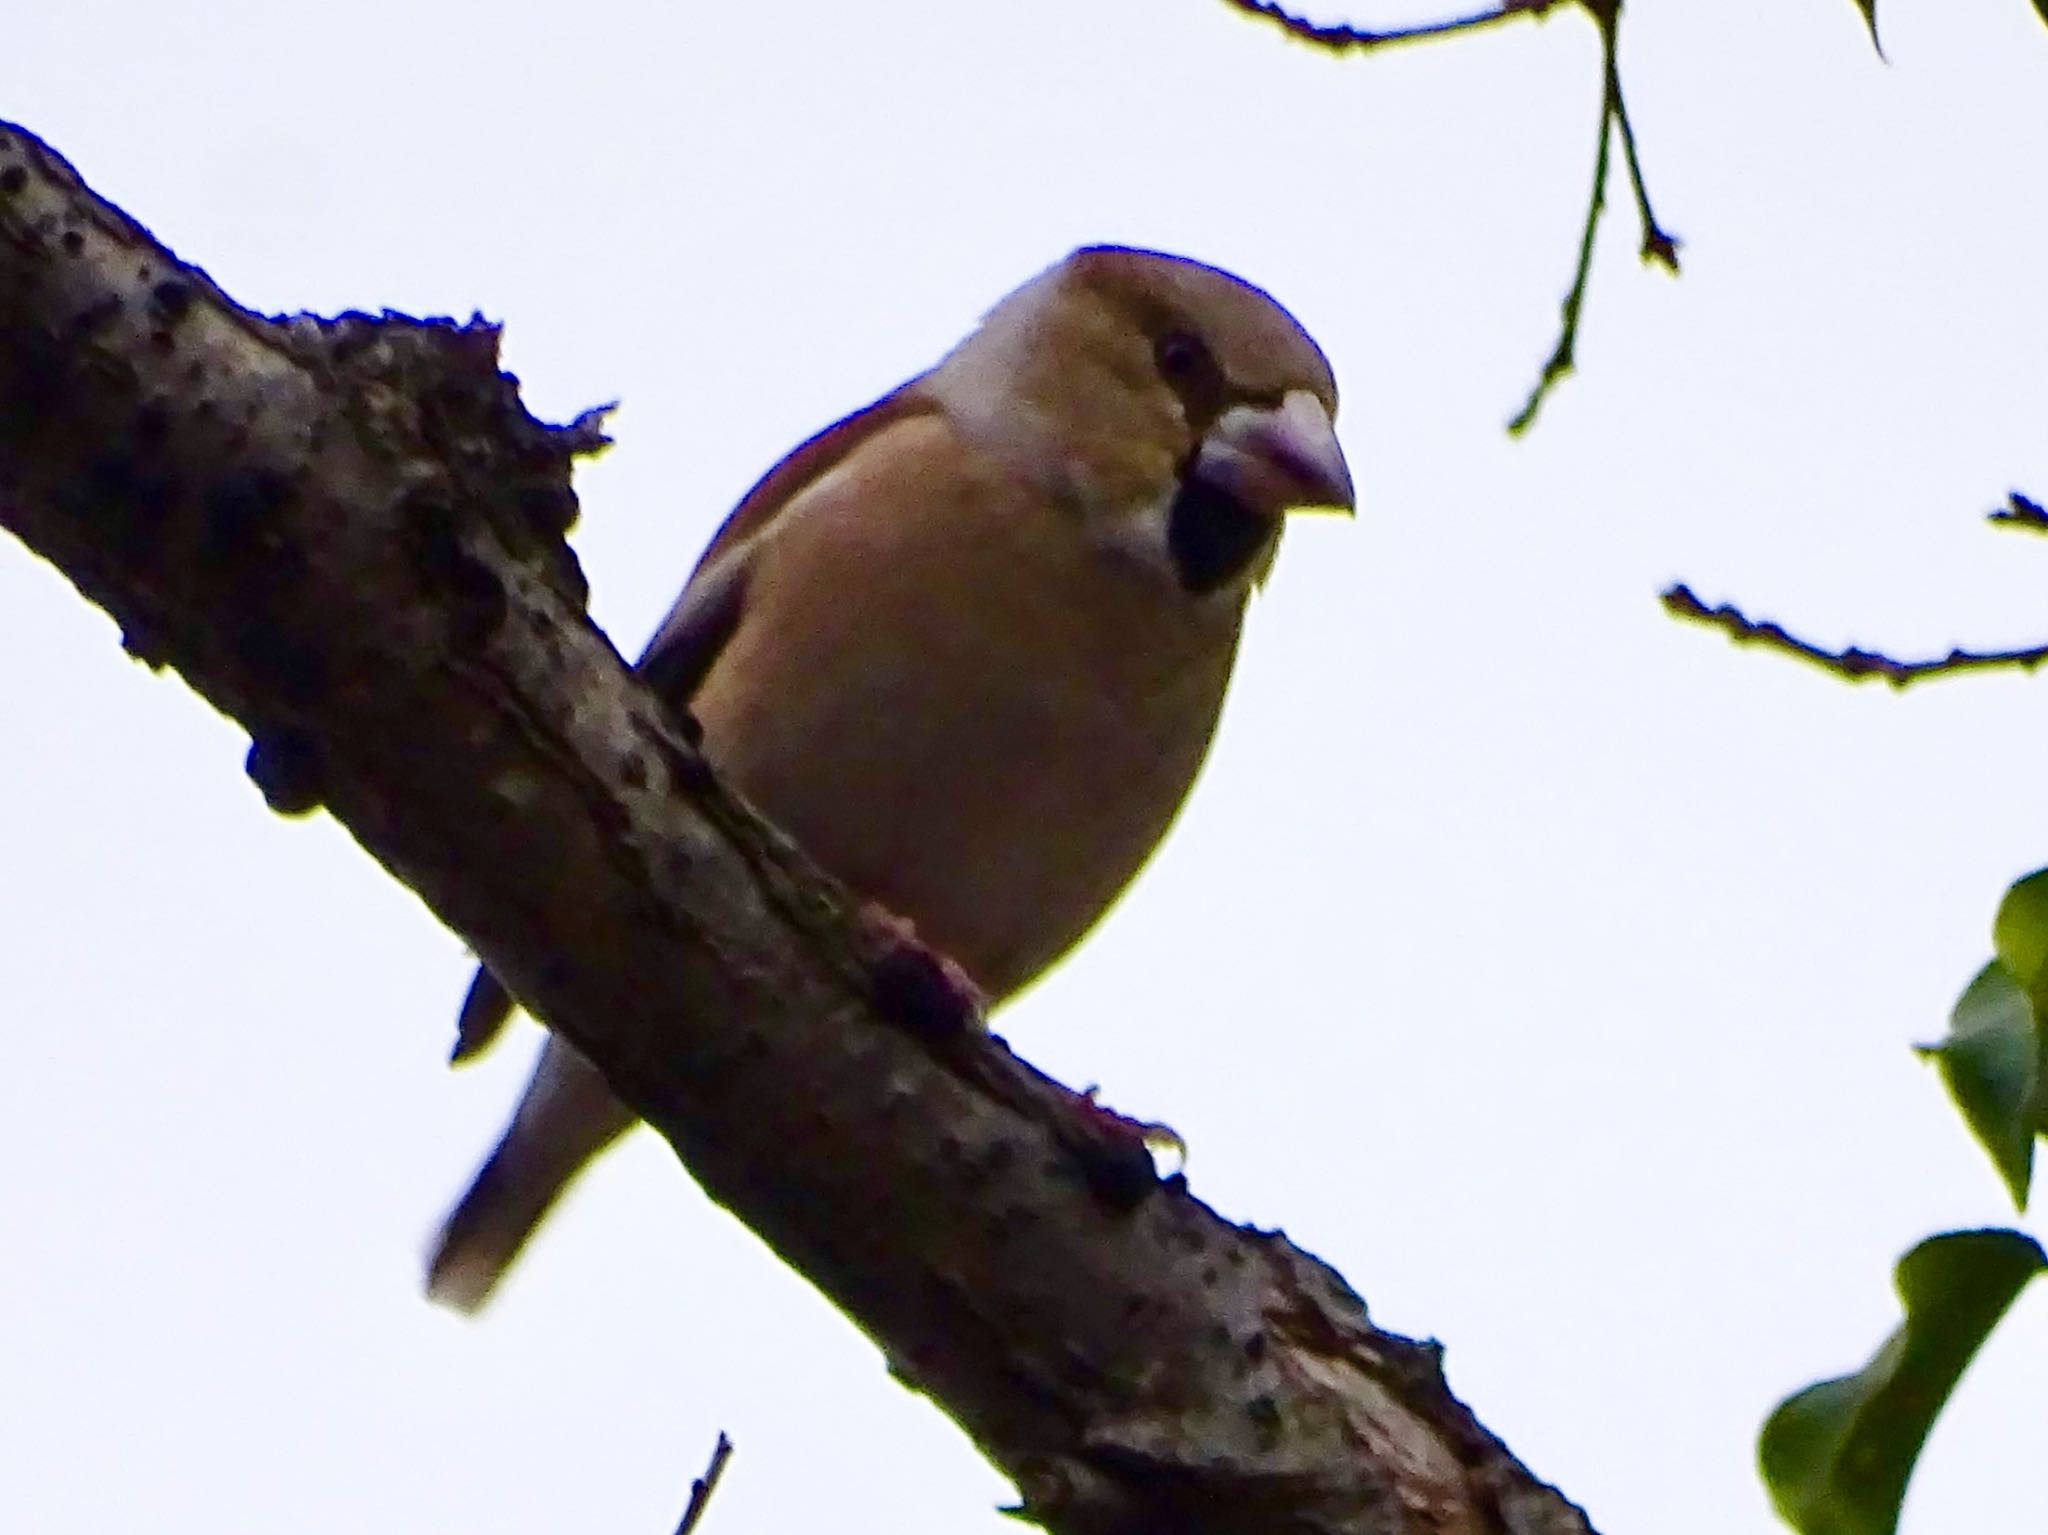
{"type": "Point", "coordinates": [705, 1485]}
{"type": "Point", "coordinates": [1341, 38]}
{"type": "Point", "coordinates": [2021, 511]}
{"type": "Point", "coordinates": [1658, 244]}
{"type": "Point", "coordinates": [1561, 360]}
{"type": "Point", "coordinates": [1853, 664]}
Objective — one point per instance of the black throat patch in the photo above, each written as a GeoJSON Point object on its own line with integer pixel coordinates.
{"type": "Point", "coordinates": [1212, 536]}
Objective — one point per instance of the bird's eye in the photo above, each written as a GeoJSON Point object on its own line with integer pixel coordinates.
{"type": "Point", "coordinates": [1182, 357]}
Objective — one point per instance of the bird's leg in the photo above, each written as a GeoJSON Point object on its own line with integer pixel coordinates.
{"type": "Point", "coordinates": [1161, 1141]}
{"type": "Point", "coordinates": [916, 984]}
{"type": "Point", "coordinates": [939, 1001]}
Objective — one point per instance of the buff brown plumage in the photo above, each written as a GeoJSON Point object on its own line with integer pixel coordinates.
{"type": "Point", "coordinates": [969, 645]}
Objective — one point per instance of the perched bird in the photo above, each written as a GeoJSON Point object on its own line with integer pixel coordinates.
{"type": "Point", "coordinates": [968, 646]}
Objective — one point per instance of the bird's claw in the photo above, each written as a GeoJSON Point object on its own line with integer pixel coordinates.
{"type": "Point", "coordinates": [916, 984]}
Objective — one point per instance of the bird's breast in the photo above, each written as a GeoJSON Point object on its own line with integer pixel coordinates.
{"type": "Point", "coordinates": [974, 718]}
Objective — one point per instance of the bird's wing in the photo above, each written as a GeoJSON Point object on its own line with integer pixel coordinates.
{"type": "Point", "coordinates": [704, 618]}
{"type": "Point", "coordinates": [708, 610]}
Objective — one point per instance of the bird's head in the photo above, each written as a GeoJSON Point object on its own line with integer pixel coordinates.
{"type": "Point", "coordinates": [1178, 410]}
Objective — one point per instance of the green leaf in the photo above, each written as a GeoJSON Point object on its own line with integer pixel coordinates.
{"type": "Point", "coordinates": [2019, 933]}
{"type": "Point", "coordinates": [2042, 7]}
{"type": "Point", "coordinates": [1836, 1456]}
{"type": "Point", "coordinates": [1991, 1062]}
{"type": "Point", "coordinates": [1869, 10]}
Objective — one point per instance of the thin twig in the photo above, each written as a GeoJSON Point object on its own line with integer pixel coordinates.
{"type": "Point", "coordinates": [1854, 664]}
{"type": "Point", "coordinates": [705, 1485]}
{"type": "Point", "coordinates": [1659, 245]}
{"type": "Point", "coordinates": [1561, 357]}
{"type": "Point", "coordinates": [1340, 38]}
{"type": "Point", "coordinates": [2021, 512]}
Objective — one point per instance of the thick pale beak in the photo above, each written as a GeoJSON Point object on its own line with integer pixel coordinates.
{"type": "Point", "coordinates": [1275, 459]}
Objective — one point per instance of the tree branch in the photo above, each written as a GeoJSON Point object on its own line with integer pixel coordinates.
{"type": "Point", "coordinates": [1342, 38]}
{"type": "Point", "coordinates": [1853, 664]}
{"type": "Point", "coordinates": [347, 535]}
{"type": "Point", "coordinates": [1658, 245]}
{"type": "Point", "coordinates": [704, 1486]}
{"type": "Point", "coordinates": [2022, 512]}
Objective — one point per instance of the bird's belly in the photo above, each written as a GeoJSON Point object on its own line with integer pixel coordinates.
{"type": "Point", "coordinates": [1000, 803]}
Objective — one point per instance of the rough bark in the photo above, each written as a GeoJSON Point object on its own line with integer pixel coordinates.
{"type": "Point", "coordinates": [348, 535]}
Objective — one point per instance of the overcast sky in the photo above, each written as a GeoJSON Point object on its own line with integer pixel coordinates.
{"type": "Point", "coordinates": [1549, 968]}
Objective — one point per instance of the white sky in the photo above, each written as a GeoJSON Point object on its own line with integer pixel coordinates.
{"type": "Point", "coordinates": [1547, 967]}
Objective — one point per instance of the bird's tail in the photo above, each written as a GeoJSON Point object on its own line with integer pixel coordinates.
{"type": "Point", "coordinates": [566, 1118]}
{"type": "Point", "coordinates": [485, 1012]}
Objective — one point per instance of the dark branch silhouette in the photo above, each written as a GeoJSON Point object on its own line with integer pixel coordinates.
{"type": "Point", "coordinates": [1854, 664]}
{"type": "Point", "coordinates": [1343, 38]}
{"type": "Point", "coordinates": [1658, 245]}
{"type": "Point", "coordinates": [2022, 512]}
{"type": "Point", "coordinates": [705, 1485]}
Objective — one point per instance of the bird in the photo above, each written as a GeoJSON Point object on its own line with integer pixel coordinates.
{"type": "Point", "coordinates": [969, 645]}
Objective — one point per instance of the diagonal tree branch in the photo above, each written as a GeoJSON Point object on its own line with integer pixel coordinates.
{"type": "Point", "coordinates": [704, 1486]}
{"type": "Point", "coordinates": [348, 535]}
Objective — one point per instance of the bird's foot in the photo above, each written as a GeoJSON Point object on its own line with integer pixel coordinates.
{"type": "Point", "coordinates": [1121, 1156]}
{"type": "Point", "coordinates": [1164, 1144]}
{"type": "Point", "coordinates": [914, 982]}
